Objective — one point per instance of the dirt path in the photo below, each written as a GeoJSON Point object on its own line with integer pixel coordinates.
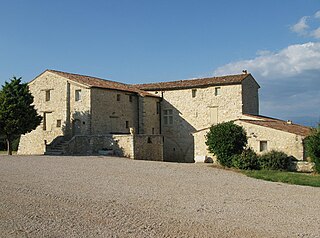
{"type": "Point", "coordinates": [116, 197]}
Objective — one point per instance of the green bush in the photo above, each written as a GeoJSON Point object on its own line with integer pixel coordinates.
{"type": "Point", "coordinates": [312, 143]}
{"type": "Point", "coordinates": [247, 160]}
{"type": "Point", "coordinates": [225, 140]}
{"type": "Point", "coordinates": [274, 160]}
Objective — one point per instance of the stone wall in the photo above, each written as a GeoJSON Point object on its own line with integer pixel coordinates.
{"type": "Point", "coordinates": [149, 116]}
{"type": "Point", "coordinates": [122, 145]}
{"type": "Point", "coordinates": [113, 111]}
{"type": "Point", "coordinates": [193, 111]}
{"type": "Point", "coordinates": [141, 147]}
{"type": "Point", "coordinates": [59, 110]}
{"type": "Point", "coordinates": [200, 148]}
{"type": "Point", "coordinates": [250, 96]}
{"type": "Point", "coordinates": [148, 147]}
{"type": "Point", "coordinates": [287, 142]}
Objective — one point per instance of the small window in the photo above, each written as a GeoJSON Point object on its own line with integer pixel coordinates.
{"type": "Point", "coordinates": [58, 123]}
{"type": "Point", "coordinates": [127, 124]}
{"type": "Point", "coordinates": [130, 98]}
{"type": "Point", "coordinates": [47, 95]}
{"type": "Point", "coordinates": [118, 97]}
{"type": "Point", "coordinates": [158, 107]}
{"type": "Point", "coordinates": [78, 95]}
{"type": "Point", "coordinates": [152, 131]}
{"type": "Point", "coordinates": [168, 117]}
{"type": "Point", "coordinates": [194, 92]}
{"type": "Point", "coordinates": [263, 146]}
{"type": "Point", "coordinates": [217, 91]}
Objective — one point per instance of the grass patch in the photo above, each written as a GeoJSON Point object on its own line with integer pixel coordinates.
{"type": "Point", "coordinates": [285, 177]}
{"type": "Point", "coordinates": [4, 152]}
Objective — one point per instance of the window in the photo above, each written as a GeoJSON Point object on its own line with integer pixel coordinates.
{"type": "Point", "coordinates": [47, 121]}
{"type": "Point", "coordinates": [47, 95]}
{"type": "Point", "coordinates": [158, 107]}
{"type": "Point", "coordinates": [194, 92]}
{"type": "Point", "coordinates": [130, 98]}
{"type": "Point", "coordinates": [263, 145]}
{"type": "Point", "coordinates": [127, 124]}
{"type": "Point", "coordinates": [118, 97]}
{"type": "Point", "coordinates": [58, 123]}
{"type": "Point", "coordinates": [167, 117]}
{"type": "Point", "coordinates": [152, 131]}
{"type": "Point", "coordinates": [78, 95]}
{"type": "Point", "coordinates": [217, 91]}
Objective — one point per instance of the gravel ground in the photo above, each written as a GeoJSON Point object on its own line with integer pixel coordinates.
{"type": "Point", "coordinates": [45, 196]}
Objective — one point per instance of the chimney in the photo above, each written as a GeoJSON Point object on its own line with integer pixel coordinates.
{"type": "Point", "coordinates": [245, 71]}
{"type": "Point", "coordinates": [289, 122]}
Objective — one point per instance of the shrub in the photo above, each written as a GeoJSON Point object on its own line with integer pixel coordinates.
{"type": "Point", "coordinates": [312, 143]}
{"type": "Point", "coordinates": [274, 160]}
{"type": "Point", "coordinates": [248, 159]}
{"type": "Point", "coordinates": [225, 140]}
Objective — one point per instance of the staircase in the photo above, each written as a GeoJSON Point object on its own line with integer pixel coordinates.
{"type": "Point", "coordinates": [56, 147]}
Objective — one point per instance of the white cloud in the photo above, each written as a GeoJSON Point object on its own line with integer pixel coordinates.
{"type": "Point", "coordinates": [288, 62]}
{"type": "Point", "coordinates": [289, 79]}
{"type": "Point", "coordinates": [301, 26]}
{"type": "Point", "coordinates": [308, 26]}
{"type": "Point", "coordinates": [316, 33]}
{"type": "Point", "coordinates": [317, 15]}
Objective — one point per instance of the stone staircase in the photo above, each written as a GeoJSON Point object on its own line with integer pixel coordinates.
{"type": "Point", "coordinates": [56, 147]}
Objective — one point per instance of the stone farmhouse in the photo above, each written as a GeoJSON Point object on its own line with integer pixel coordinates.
{"type": "Point", "coordinates": [159, 121]}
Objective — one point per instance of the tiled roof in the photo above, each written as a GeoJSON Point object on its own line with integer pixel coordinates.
{"type": "Point", "coordinates": [280, 125]}
{"type": "Point", "coordinates": [101, 83]}
{"type": "Point", "coordinates": [191, 83]}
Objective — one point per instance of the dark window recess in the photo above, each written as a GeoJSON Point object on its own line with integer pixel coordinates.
{"type": "Point", "coordinates": [194, 93]}
{"type": "Point", "coordinates": [149, 140]}
{"type": "Point", "coordinates": [83, 122]}
{"type": "Point", "coordinates": [118, 97]}
{"type": "Point", "coordinates": [152, 130]}
{"type": "Point", "coordinates": [158, 107]}
{"type": "Point", "coordinates": [58, 123]}
{"type": "Point", "coordinates": [48, 96]}
{"type": "Point", "coordinates": [263, 146]}
{"type": "Point", "coordinates": [77, 95]}
{"type": "Point", "coordinates": [130, 98]}
{"type": "Point", "coordinates": [127, 124]}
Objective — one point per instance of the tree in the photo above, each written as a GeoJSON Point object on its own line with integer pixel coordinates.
{"type": "Point", "coordinates": [17, 114]}
{"type": "Point", "coordinates": [225, 140]}
{"type": "Point", "coordinates": [312, 143]}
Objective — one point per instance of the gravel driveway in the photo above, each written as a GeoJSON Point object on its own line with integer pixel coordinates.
{"type": "Point", "coordinates": [42, 196]}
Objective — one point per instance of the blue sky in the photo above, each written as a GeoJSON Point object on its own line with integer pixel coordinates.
{"type": "Point", "coordinates": [148, 41]}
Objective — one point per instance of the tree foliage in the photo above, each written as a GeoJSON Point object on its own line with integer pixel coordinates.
{"type": "Point", "coordinates": [225, 140]}
{"type": "Point", "coordinates": [312, 143]}
{"type": "Point", "coordinates": [17, 114]}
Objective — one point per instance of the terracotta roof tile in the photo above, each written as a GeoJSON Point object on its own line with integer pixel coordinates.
{"type": "Point", "coordinates": [280, 125]}
{"type": "Point", "coordinates": [190, 83]}
{"type": "Point", "coordinates": [101, 83]}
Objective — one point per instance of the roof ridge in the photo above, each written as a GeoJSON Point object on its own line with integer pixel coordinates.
{"type": "Point", "coordinates": [83, 75]}
{"type": "Point", "coordinates": [192, 79]}
{"type": "Point", "coordinates": [100, 83]}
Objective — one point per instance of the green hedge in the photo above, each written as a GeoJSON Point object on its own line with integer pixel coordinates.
{"type": "Point", "coordinates": [274, 160]}
{"type": "Point", "coordinates": [247, 160]}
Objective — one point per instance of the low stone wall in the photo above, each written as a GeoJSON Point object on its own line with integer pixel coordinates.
{"type": "Point", "coordinates": [302, 166]}
{"type": "Point", "coordinates": [148, 147]}
{"type": "Point", "coordinates": [142, 147]}
{"type": "Point", "coordinates": [122, 145]}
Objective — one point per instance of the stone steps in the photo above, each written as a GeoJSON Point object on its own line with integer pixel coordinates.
{"type": "Point", "coordinates": [56, 149]}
